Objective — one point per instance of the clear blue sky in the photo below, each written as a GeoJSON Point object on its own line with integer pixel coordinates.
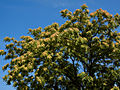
{"type": "Point", "coordinates": [17, 16]}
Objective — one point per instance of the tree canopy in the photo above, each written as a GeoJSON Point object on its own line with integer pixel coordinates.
{"type": "Point", "coordinates": [81, 54]}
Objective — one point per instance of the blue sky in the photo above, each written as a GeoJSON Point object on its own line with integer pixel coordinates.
{"type": "Point", "coordinates": [17, 16]}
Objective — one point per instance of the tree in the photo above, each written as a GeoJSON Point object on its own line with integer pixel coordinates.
{"type": "Point", "coordinates": [81, 54]}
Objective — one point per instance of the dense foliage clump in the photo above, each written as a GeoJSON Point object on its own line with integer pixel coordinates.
{"type": "Point", "coordinates": [81, 54]}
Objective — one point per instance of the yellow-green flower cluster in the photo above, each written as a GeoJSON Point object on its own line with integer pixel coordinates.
{"type": "Point", "coordinates": [2, 52]}
{"type": "Point", "coordinates": [7, 39]}
{"type": "Point", "coordinates": [5, 66]}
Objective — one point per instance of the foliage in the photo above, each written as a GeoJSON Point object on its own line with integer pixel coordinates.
{"type": "Point", "coordinates": [83, 53]}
